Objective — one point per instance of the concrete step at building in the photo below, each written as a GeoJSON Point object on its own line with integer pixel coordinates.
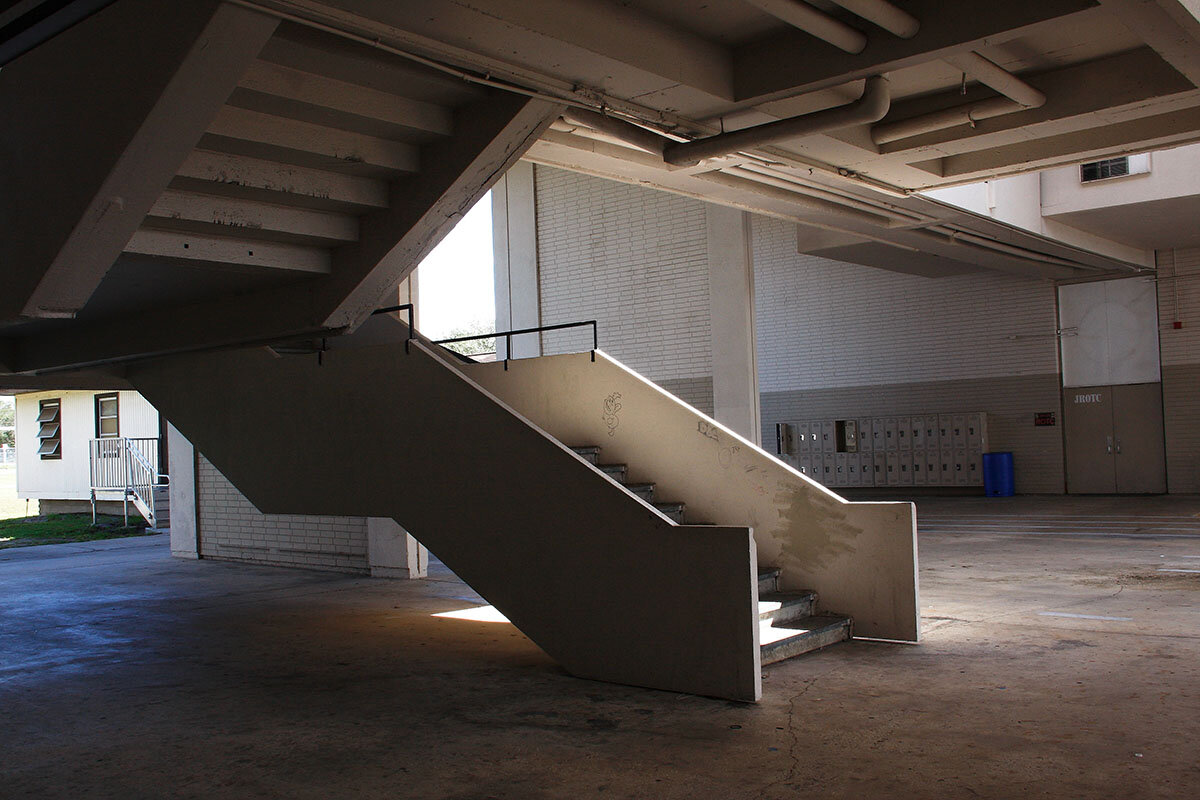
{"type": "Point", "coordinates": [779, 608]}
{"type": "Point", "coordinates": [589, 454]}
{"type": "Point", "coordinates": [789, 624]}
{"type": "Point", "coordinates": [799, 636]}
{"type": "Point", "coordinates": [673, 510]}
{"type": "Point", "coordinates": [618, 472]}
{"type": "Point", "coordinates": [768, 580]}
{"type": "Point", "coordinates": [642, 490]}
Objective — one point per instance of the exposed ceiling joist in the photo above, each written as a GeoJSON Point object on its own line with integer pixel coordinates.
{"type": "Point", "coordinates": [232, 175]}
{"type": "Point", "coordinates": [225, 216]}
{"type": "Point", "coordinates": [229, 250]}
{"type": "Point", "coordinates": [252, 133]}
{"type": "Point", "coordinates": [284, 91]}
{"type": "Point", "coordinates": [791, 62]}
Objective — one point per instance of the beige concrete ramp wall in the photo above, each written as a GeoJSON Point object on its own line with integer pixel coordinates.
{"type": "Point", "coordinates": [860, 557]}
{"type": "Point", "coordinates": [601, 581]}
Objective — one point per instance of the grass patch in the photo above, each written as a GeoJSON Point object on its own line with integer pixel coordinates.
{"type": "Point", "coordinates": [61, 528]}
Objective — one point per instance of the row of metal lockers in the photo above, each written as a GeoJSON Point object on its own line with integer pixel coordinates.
{"type": "Point", "coordinates": [893, 468]}
{"type": "Point", "coordinates": [929, 432]}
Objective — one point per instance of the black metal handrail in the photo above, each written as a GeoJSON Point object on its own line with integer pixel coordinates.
{"type": "Point", "coordinates": [539, 329]}
{"type": "Point", "coordinates": [392, 309]}
{"type": "Point", "coordinates": [506, 334]}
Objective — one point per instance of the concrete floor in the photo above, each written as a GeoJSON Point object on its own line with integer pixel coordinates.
{"type": "Point", "coordinates": [1060, 660]}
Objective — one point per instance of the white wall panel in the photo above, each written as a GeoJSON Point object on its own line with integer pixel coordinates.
{"type": "Point", "coordinates": [633, 259]}
{"type": "Point", "coordinates": [68, 478]}
{"type": "Point", "coordinates": [1110, 332]}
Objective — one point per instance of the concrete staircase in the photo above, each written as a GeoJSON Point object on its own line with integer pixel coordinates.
{"type": "Point", "coordinates": [788, 622]}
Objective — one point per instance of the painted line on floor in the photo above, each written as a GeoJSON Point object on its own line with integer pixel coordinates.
{"type": "Point", "coordinates": [1190, 571]}
{"type": "Point", "coordinates": [1094, 534]}
{"type": "Point", "coordinates": [1083, 616]}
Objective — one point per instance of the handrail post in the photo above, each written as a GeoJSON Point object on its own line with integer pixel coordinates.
{"type": "Point", "coordinates": [507, 349]}
{"type": "Point", "coordinates": [595, 340]}
{"type": "Point", "coordinates": [410, 328]}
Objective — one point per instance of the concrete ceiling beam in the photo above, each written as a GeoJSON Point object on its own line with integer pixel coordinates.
{"type": "Point", "coordinates": [1166, 25]}
{"type": "Point", "coordinates": [143, 85]}
{"type": "Point", "coordinates": [423, 208]}
{"type": "Point", "coordinates": [1078, 90]}
{"type": "Point", "coordinates": [229, 175]}
{"type": "Point", "coordinates": [190, 212]}
{"type": "Point", "coordinates": [790, 63]}
{"type": "Point", "coordinates": [285, 91]}
{"type": "Point", "coordinates": [291, 141]}
{"type": "Point", "coordinates": [229, 250]}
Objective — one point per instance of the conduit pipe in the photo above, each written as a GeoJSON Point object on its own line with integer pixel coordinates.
{"type": "Point", "coordinates": [627, 132]}
{"type": "Point", "coordinates": [989, 73]}
{"type": "Point", "coordinates": [894, 20]}
{"type": "Point", "coordinates": [807, 202]}
{"type": "Point", "coordinates": [1018, 96]}
{"type": "Point", "coordinates": [816, 22]}
{"type": "Point", "coordinates": [784, 181]}
{"type": "Point", "coordinates": [872, 106]}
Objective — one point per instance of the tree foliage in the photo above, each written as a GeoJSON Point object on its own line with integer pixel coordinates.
{"type": "Point", "coordinates": [473, 347]}
{"type": "Point", "coordinates": [7, 420]}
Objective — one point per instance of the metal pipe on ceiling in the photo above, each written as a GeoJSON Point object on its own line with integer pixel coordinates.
{"type": "Point", "coordinates": [989, 73]}
{"type": "Point", "coordinates": [1018, 96]}
{"type": "Point", "coordinates": [894, 20]}
{"type": "Point", "coordinates": [635, 135]}
{"type": "Point", "coordinates": [968, 114]}
{"type": "Point", "coordinates": [794, 184]}
{"type": "Point", "coordinates": [870, 107]}
{"type": "Point", "coordinates": [816, 22]}
{"type": "Point", "coordinates": [809, 203]}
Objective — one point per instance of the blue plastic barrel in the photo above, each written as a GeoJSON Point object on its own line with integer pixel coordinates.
{"type": "Point", "coordinates": [998, 474]}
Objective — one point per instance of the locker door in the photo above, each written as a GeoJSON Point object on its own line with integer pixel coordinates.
{"type": "Point", "coordinates": [866, 468]}
{"type": "Point", "coordinates": [920, 477]}
{"type": "Point", "coordinates": [1138, 439]}
{"type": "Point", "coordinates": [932, 440]}
{"type": "Point", "coordinates": [904, 433]}
{"type": "Point", "coordinates": [1091, 462]}
{"type": "Point", "coordinates": [866, 437]}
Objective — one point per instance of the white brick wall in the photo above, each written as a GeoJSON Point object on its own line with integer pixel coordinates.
{"type": "Point", "coordinates": [633, 259]}
{"type": "Point", "coordinates": [231, 528]}
{"type": "Point", "coordinates": [824, 323]}
{"type": "Point", "coordinates": [1179, 299]}
{"type": "Point", "coordinates": [837, 339]}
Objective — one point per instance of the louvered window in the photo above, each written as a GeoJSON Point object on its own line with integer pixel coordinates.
{"type": "Point", "coordinates": [50, 429]}
{"type": "Point", "coordinates": [1114, 168]}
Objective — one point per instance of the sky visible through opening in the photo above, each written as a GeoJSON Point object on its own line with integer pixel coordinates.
{"type": "Point", "coordinates": [454, 282]}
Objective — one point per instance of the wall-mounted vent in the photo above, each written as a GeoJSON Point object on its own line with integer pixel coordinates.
{"type": "Point", "coordinates": [1114, 168]}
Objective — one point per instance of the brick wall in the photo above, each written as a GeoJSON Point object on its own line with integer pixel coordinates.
{"type": "Point", "coordinates": [232, 529]}
{"type": "Point", "coordinates": [633, 259]}
{"type": "Point", "coordinates": [1179, 299]}
{"type": "Point", "coordinates": [840, 340]}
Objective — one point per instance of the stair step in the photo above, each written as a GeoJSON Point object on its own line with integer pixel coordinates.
{"type": "Point", "coordinates": [779, 608]}
{"type": "Point", "coordinates": [672, 510]}
{"type": "Point", "coordinates": [591, 454]}
{"type": "Point", "coordinates": [642, 490]}
{"type": "Point", "coordinates": [794, 638]}
{"type": "Point", "coordinates": [768, 580]}
{"type": "Point", "coordinates": [617, 472]}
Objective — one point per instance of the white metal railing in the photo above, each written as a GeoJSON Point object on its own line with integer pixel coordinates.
{"type": "Point", "coordinates": [8, 454]}
{"type": "Point", "coordinates": [129, 466]}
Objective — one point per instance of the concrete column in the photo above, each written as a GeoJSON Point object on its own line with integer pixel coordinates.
{"type": "Point", "coordinates": [392, 552]}
{"type": "Point", "coordinates": [731, 309]}
{"type": "Point", "coordinates": [185, 527]}
{"type": "Point", "coordinates": [514, 247]}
